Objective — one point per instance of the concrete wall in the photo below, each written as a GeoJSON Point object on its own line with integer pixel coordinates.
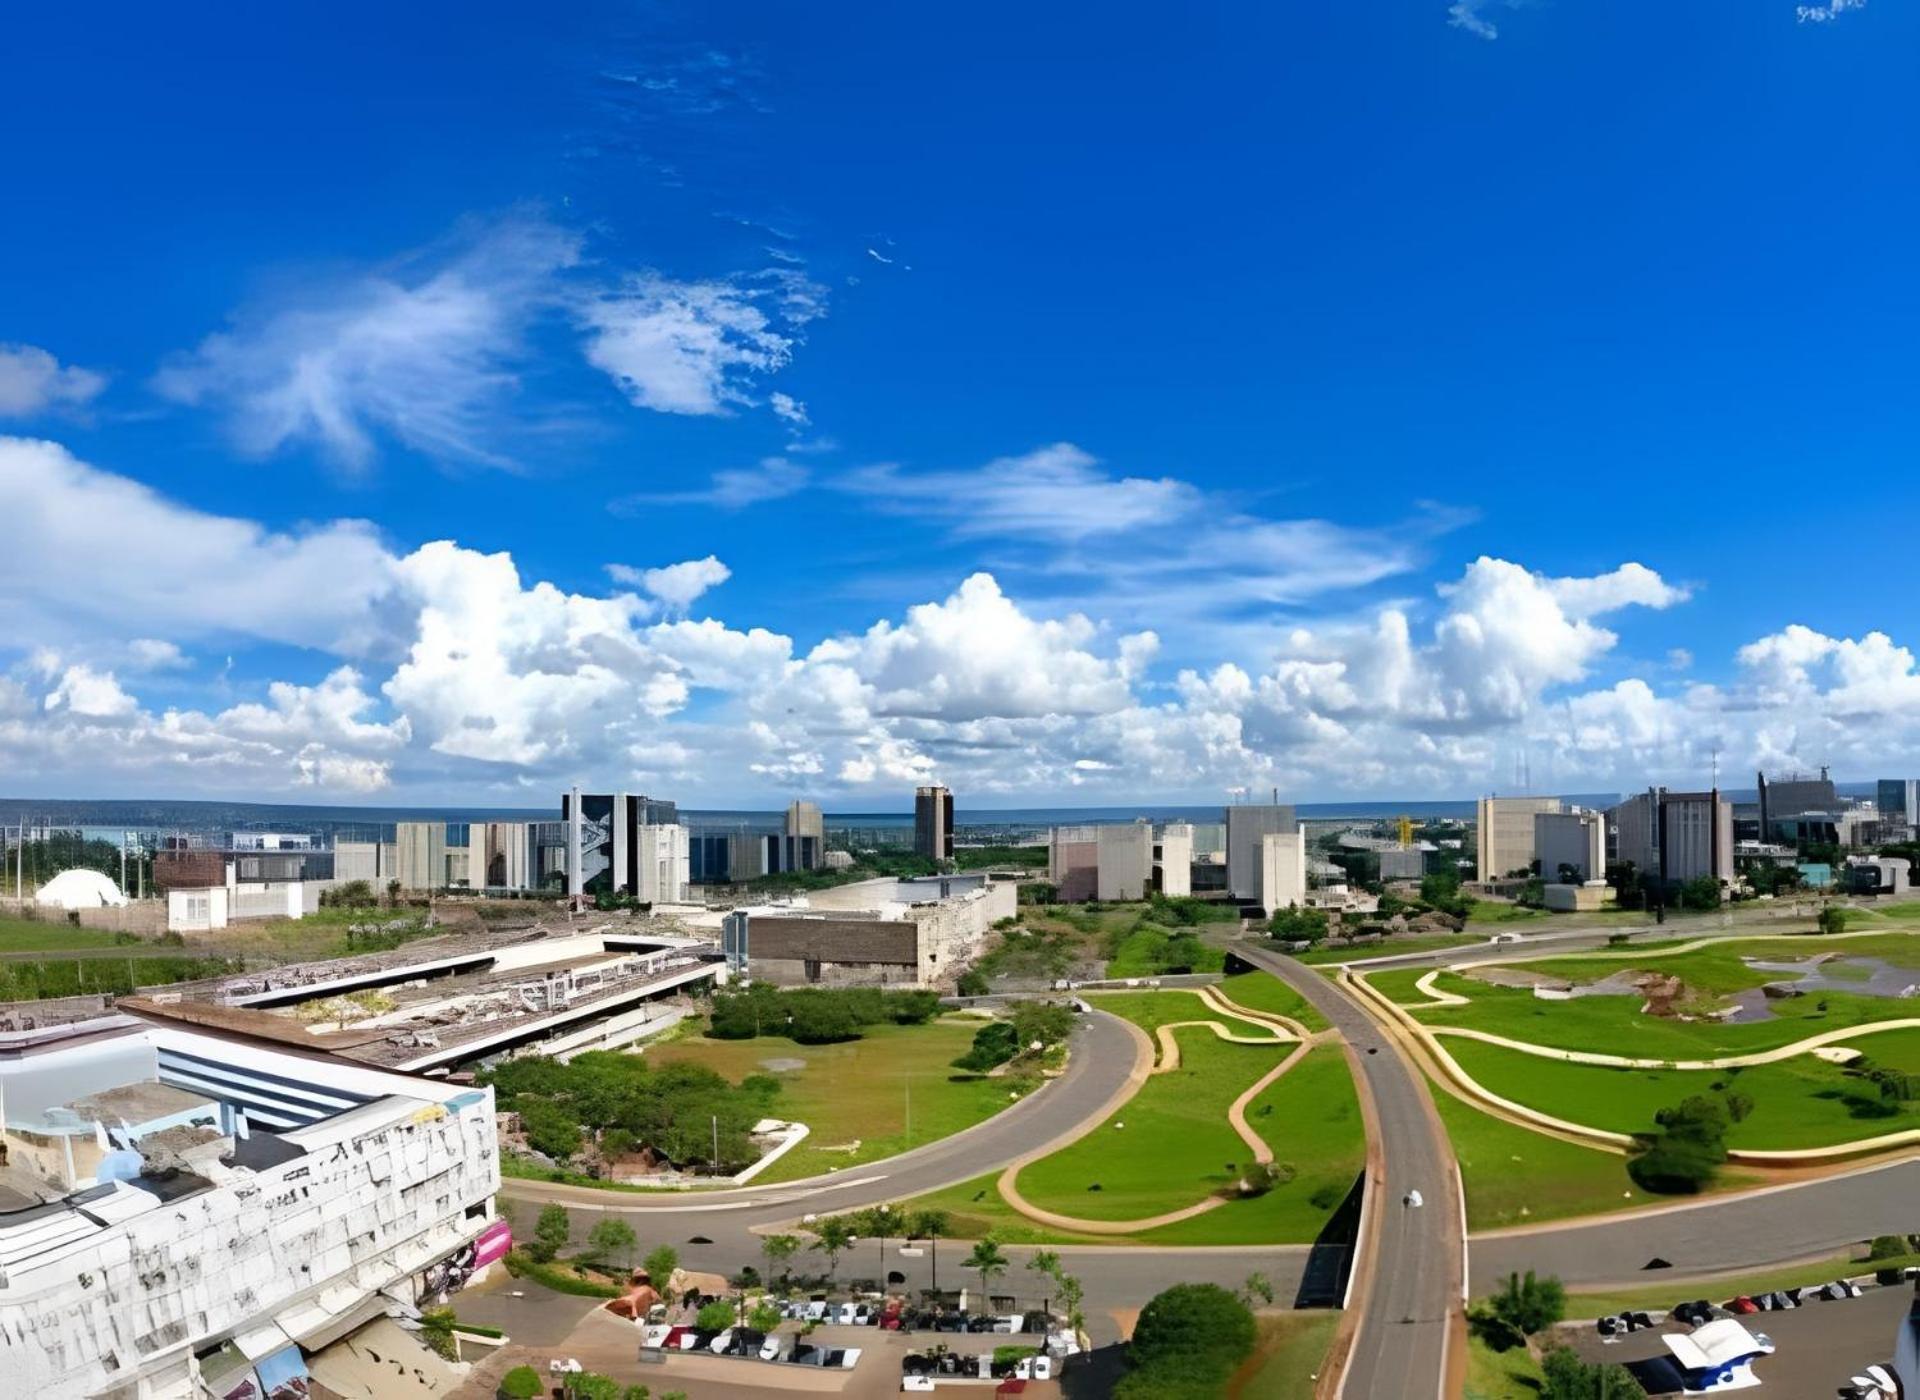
{"type": "Point", "coordinates": [1505, 833]}
{"type": "Point", "coordinates": [1124, 861]}
{"type": "Point", "coordinates": [1576, 838]}
{"type": "Point", "coordinates": [1073, 862]}
{"type": "Point", "coordinates": [1283, 870]}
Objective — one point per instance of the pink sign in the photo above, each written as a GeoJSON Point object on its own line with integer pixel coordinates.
{"type": "Point", "coordinates": [494, 1242]}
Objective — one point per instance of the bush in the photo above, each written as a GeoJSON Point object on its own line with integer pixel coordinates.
{"type": "Point", "coordinates": [1196, 1330]}
{"type": "Point", "coordinates": [1833, 919]}
{"type": "Point", "coordinates": [716, 1316]}
{"type": "Point", "coordinates": [993, 1045]}
{"type": "Point", "coordinates": [1292, 924]}
{"type": "Point", "coordinates": [1047, 1022]}
{"type": "Point", "coordinates": [1530, 1304]}
{"type": "Point", "coordinates": [521, 1383]}
{"type": "Point", "coordinates": [521, 1264]}
{"type": "Point", "coordinates": [815, 1015]}
{"type": "Point", "coordinates": [1887, 1247]}
{"type": "Point", "coordinates": [1687, 1151]}
{"type": "Point", "coordinates": [1567, 1377]}
{"type": "Point", "coordinates": [549, 1233]}
{"type": "Point", "coordinates": [973, 983]}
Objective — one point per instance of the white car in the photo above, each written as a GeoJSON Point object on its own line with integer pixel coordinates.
{"type": "Point", "coordinates": [922, 1385]}
{"type": "Point", "coordinates": [1034, 1368]}
{"type": "Point", "coordinates": [1415, 1200]}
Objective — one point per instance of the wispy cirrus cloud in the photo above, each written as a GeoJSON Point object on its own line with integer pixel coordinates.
{"type": "Point", "coordinates": [1827, 13]}
{"type": "Point", "coordinates": [435, 351]}
{"type": "Point", "coordinates": [731, 488]}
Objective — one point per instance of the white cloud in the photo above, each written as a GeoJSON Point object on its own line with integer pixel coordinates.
{"type": "Point", "coordinates": [427, 351]}
{"type": "Point", "coordinates": [732, 488]}
{"type": "Point", "coordinates": [91, 552]}
{"type": "Point", "coordinates": [152, 654]}
{"type": "Point", "coordinates": [1466, 14]}
{"type": "Point", "coordinates": [675, 585]}
{"type": "Point", "coordinates": [1827, 13]}
{"type": "Point", "coordinates": [93, 694]}
{"type": "Point", "coordinates": [690, 347]}
{"type": "Point", "coordinates": [32, 381]}
{"type": "Point", "coordinates": [788, 409]}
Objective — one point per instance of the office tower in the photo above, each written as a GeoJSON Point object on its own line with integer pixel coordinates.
{"type": "Point", "coordinates": [933, 822]}
{"type": "Point", "coordinates": [1505, 833]}
{"type": "Point", "coordinates": [1247, 825]}
{"type": "Point", "coordinates": [1575, 839]}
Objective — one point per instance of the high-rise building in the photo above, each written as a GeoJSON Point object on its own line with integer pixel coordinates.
{"type": "Point", "coordinates": [1786, 799]}
{"type": "Point", "coordinates": [804, 845]}
{"type": "Point", "coordinates": [1674, 837]}
{"type": "Point", "coordinates": [1247, 825]}
{"type": "Point", "coordinates": [1574, 841]}
{"type": "Point", "coordinates": [1505, 834]}
{"type": "Point", "coordinates": [1283, 870]}
{"type": "Point", "coordinates": [1899, 800]}
{"type": "Point", "coordinates": [610, 850]}
{"type": "Point", "coordinates": [933, 822]}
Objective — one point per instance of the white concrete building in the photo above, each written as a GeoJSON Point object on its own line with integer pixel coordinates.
{"type": "Point", "coordinates": [1575, 838]}
{"type": "Point", "coordinates": [661, 864]}
{"type": "Point", "coordinates": [1123, 861]}
{"type": "Point", "coordinates": [1176, 860]}
{"type": "Point", "coordinates": [176, 1191]}
{"type": "Point", "coordinates": [217, 906]}
{"type": "Point", "coordinates": [1505, 832]}
{"type": "Point", "coordinates": [1247, 825]}
{"type": "Point", "coordinates": [1676, 836]}
{"type": "Point", "coordinates": [1283, 870]}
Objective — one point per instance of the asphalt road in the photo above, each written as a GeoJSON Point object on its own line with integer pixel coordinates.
{"type": "Point", "coordinates": [1751, 1230]}
{"type": "Point", "coordinates": [1413, 1285]}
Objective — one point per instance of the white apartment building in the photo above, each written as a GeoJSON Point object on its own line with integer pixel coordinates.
{"type": "Point", "coordinates": [191, 1204]}
{"type": "Point", "coordinates": [1676, 836]}
{"type": "Point", "coordinates": [1505, 833]}
{"type": "Point", "coordinates": [1283, 870]}
{"type": "Point", "coordinates": [661, 864]}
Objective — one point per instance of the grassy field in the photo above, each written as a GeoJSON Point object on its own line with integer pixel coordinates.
{"type": "Point", "coordinates": [1260, 991]}
{"type": "Point", "coordinates": [1517, 1177]}
{"type": "Point", "coordinates": [1616, 1023]}
{"type": "Point", "coordinates": [1166, 1148]}
{"type": "Point", "coordinates": [1504, 1375]}
{"type": "Point", "coordinates": [1483, 911]}
{"type": "Point", "coordinates": [1391, 947]}
{"type": "Point", "coordinates": [1288, 1356]}
{"type": "Point", "coordinates": [859, 1091]}
{"type": "Point", "coordinates": [40, 936]}
{"type": "Point", "coordinates": [1802, 1102]}
{"type": "Point", "coordinates": [1719, 1289]}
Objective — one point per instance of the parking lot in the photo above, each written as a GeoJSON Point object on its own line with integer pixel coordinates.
{"type": "Point", "coordinates": [1819, 1345]}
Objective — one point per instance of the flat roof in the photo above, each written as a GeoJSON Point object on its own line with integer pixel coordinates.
{"type": "Point", "coordinates": [136, 1103]}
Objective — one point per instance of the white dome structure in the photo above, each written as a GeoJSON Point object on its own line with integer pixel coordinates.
{"type": "Point", "coordinates": [79, 889]}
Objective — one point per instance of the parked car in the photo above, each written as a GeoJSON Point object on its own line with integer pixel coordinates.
{"type": "Point", "coordinates": [918, 1384]}
{"type": "Point", "coordinates": [1010, 1323]}
{"type": "Point", "coordinates": [952, 1322]}
{"type": "Point", "coordinates": [1742, 1305]}
{"type": "Point", "coordinates": [1874, 1383]}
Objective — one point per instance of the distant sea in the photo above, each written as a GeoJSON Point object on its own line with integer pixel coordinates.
{"type": "Point", "coordinates": [110, 817]}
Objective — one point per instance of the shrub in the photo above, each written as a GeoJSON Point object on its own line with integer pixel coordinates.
{"type": "Point", "coordinates": [1887, 1247]}
{"type": "Point", "coordinates": [993, 1045]}
{"type": "Point", "coordinates": [1687, 1151]}
{"type": "Point", "coordinates": [1567, 1377]}
{"type": "Point", "coordinates": [1193, 1329]}
{"type": "Point", "coordinates": [549, 1234]}
{"type": "Point", "coordinates": [1833, 919]}
{"type": "Point", "coordinates": [1530, 1304]}
{"type": "Point", "coordinates": [521, 1383]}
{"type": "Point", "coordinates": [973, 983]}
{"type": "Point", "coordinates": [716, 1316]}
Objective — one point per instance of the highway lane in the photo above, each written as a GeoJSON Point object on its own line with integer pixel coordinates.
{"type": "Point", "coordinates": [1411, 1278]}
{"type": "Point", "coordinates": [1752, 1230]}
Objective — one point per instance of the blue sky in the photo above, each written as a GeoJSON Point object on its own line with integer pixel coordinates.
{"type": "Point", "coordinates": [1300, 380]}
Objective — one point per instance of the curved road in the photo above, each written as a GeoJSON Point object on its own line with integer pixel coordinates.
{"type": "Point", "coordinates": [1412, 1266]}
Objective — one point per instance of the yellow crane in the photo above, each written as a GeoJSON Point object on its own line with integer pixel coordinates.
{"type": "Point", "coordinates": [1406, 832]}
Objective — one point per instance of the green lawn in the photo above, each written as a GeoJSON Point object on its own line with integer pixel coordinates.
{"type": "Point", "coordinates": [1719, 1289]}
{"type": "Point", "coordinates": [1398, 984]}
{"type": "Point", "coordinates": [1262, 991]}
{"type": "Point", "coordinates": [41, 936]}
{"type": "Point", "coordinates": [1392, 947]}
{"type": "Point", "coordinates": [1167, 1147]}
{"type": "Point", "coordinates": [1287, 1358]}
{"type": "Point", "coordinates": [1616, 1024]}
{"type": "Point", "coordinates": [1144, 953]}
{"type": "Point", "coordinates": [1800, 1102]}
{"type": "Point", "coordinates": [859, 1090]}
{"type": "Point", "coordinates": [1309, 1116]}
{"type": "Point", "coordinates": [1505, 1375]}
{"type": "Point", "coordinates": [1482, 911]}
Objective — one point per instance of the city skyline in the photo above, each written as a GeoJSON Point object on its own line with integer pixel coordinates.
{"type": "Point", "coordinates": [618, 402]}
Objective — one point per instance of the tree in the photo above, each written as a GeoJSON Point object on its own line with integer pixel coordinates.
{"type": "Point", "coordinates": [716, 1316]}
{"type": "Point", "coordinates": [1702, 892]}
{"type": "Point", "coordinates": [884, 1223]}
{"type": "Point", "coordinates": [1292, 924]}
{"type": "Point", "coordinates": [1046, 1263]}
{"type": "Point", "coordinates": [1530, 1304]}
{"type": "Point", "coordinates": [660, 1264]}
{"type": "Point", "coordinates": [521, 1383]}
{"type": "Point", "coordinates": [1833, 919]}
{"type": "Point", "coordinates": [1193, 1331]}
{"type": "Point", "coordinates": [549, 1233]}
{"type": "Point", "coordinates": [988, 1262]}
{"type": "Point", "coordinates": [591, 1385]}
{"type": "Point", "coordinates": [613, 1236]}
{"type": "Point", "coordinates": [973, 983]}
{"type": "Point", "coordinates": [550, 1129]}
{"type": "Point", "coordinates": [765, 1316]}
{"type": "Point", "coordinates": [1567, 1377]}
{"type": "Point", "coordinates": [777, 1250]}
{"type": "Point", "coordinates": [930, 1225]}
{"type": "Point", "coordinates": [1687, 1151]}
{"type": "Point", "coordinates": [832, 1237]}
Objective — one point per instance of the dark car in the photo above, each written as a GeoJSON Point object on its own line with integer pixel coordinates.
{"type": "Point", "coordinates": [951, 1322]}
{"type": "Point", "coordinates": [745, 1342]}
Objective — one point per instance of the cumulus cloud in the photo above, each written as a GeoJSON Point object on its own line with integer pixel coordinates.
{"type": "Point", "coordinates": [675, 585]}
{"type": "Point", "coordinates": [90, 551]}
{"type": "Point", "coordinates": [33, 381]}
